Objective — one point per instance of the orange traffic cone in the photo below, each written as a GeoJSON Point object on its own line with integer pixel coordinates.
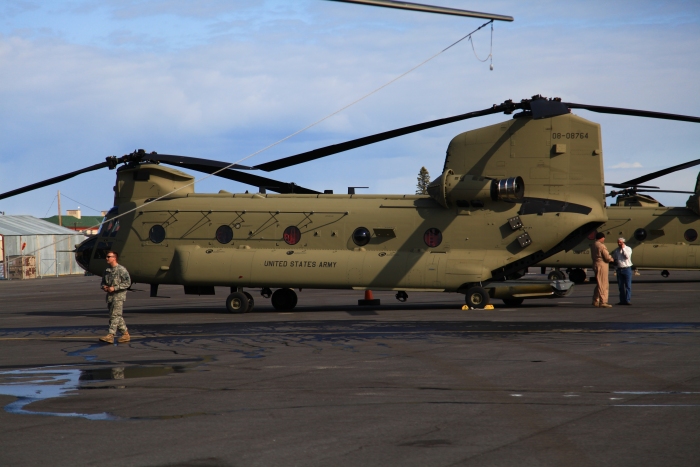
{"type": "Point", "coordinates": [369, 300]}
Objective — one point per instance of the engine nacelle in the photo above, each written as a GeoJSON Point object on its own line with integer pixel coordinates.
{"type": "Point", "coordinates": [693, 203]}
{"type": "Point", "coordinates": [469, 190]}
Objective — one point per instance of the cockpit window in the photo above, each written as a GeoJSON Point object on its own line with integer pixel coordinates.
{"type": "Point", "coordinates": [108, 227]}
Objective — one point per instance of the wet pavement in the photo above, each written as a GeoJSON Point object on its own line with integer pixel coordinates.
{"type": "Point", "coordinates": [553, 382]}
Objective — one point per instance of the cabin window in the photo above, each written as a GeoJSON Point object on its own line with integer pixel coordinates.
{"type": "Point", "coordinates": [640, 235]}
{"type": "Point", "coordinates": [292, 235]}
{"type": "Point", "coordinates": [361, 236]}
{"type": "Point", "coordinates": [157, 234]}
{"type": "Point", "coordinates": [432, 237]}
{"type": "Point", "coordinates": [690, 235]}
{"type": "Point", "coordinates": [224, 234]}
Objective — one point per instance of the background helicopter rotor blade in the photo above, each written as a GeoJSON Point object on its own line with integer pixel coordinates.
{"type": "Point", "coordinates": [629, 185]}
{"type": "Point", "coordinates": [632, 112]}
{"type": "Point", "coordinates": [633, 191]}
{"type": "Point", "coordinates": [51, 181]}
{"type": "Point", "coordinates": [367, 140]}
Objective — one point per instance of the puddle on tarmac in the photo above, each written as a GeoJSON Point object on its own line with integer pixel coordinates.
{"type": "Point", "coordinates": [37, 384]}
{"type": "Point", "coordinates": [33, 384]}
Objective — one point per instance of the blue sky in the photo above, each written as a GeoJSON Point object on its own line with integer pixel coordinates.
{"type": "Point", "coordinates": [82, 80]}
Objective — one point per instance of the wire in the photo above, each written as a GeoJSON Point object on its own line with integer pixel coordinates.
{"type": "Point", "coordinates": [54, 199]}
{"type": "Point", "coordinates": [490, 55]}
{"type": "Point", "coordinates": [296, 132]}
{"type": "Point", "coordinates": [82, 204]}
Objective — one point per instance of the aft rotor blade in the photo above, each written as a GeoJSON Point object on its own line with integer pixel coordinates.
{"type": "Point", "coordinates": [633, 112]}
{"type": "Point", "coordinates": [661, 173]}
{"type": "Point", "coordinates": [53, 180]}
{"type": "Point", "coordinates": [367, 140]}
{"type": "Point", "coordinates": [249, 179]}
{"type": "Point", "coordinates": [428, 9]}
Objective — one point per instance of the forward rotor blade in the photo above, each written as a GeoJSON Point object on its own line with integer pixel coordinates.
{"type": "Point", "coordinates": [633, 112]}
{"type": "Point", "coordinates": [367, 140]}
{"type": "Point", "coordinates": [183, 160]}
{"type": "Point", "coordinates": [53, 180]}
{"type": "Point", "coordinates": [249, 179]}
{"type": "Point", "coordinates": [661, 173]}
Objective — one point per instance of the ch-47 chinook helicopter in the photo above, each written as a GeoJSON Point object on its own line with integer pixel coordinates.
{"type": "Point", "coordinates": [661, 237]}
{"type": "Point", "coordinates": [480, 224]}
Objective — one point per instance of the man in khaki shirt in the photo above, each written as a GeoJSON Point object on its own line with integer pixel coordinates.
{"type": "Point", "coordinates": [601, 258]}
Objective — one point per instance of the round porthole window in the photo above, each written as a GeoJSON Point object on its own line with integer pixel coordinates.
{"type": "Point", "coordinates": [640, 235]}
{"type": "Point", "coordinates": [156, 234]}
{"type": "Point", "coordinates": [292, 235]}
{"type": "Point", "coordinates": [224, 234]}
{"type": "Point", "coordinates": [361, 236]}
{"type": "Point", "coordinates": [690, 235]}
{"type": "Point", "coordinates": [432, 237]}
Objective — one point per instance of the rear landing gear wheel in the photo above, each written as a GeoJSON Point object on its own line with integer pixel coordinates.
{"type": "Point", "coordinates": [556, 276]}
{"type": "Point", "coordinates": [284, 299]}
{"type": "Point", "coordinates": [577, 276]}
{"type": "Point", "coordinates": [237, 302]}
{"type": "Point", "coordinates": [401, 296]}
{"type": "Point", "coordinates": [513, 301]}
{"type": "Point", "coordinates": [665, 273]}
{"type": "Point", "coordinates": [477, 297]}
{"type": "Point", "coordinates": [251, 302]}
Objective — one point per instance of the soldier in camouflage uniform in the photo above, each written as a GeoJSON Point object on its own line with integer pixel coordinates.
{"type": "Point", "coordinates": [115, 281]}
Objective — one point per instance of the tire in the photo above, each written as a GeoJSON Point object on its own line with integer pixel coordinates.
{"type": "Point", "coordinates": [556, 276]}
{"type": "Point", "coordinates": [284, 299]}
{"type": "Point", "coordinates": [577, 276]}
{"type": "Point", "coordinates": [513, 301]}
{"type": "Point", "coordinates": [237, 302]}
{"type": "Point", "coordinates": [477, 297]}
{"type": "Point", "coordinates": [251, 302]}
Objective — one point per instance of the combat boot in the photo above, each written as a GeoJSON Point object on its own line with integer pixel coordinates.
{"type": "Point", "coordinates": [605, 305]}
{"type": "Point", "coordinates": [109, 339]}
{"type": "Point", "coordinates": [124, 338]}
{"type": "Point", "coordinates": [596, 303]}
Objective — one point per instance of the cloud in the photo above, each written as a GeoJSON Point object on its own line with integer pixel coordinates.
{"type": "Point", "coordinates": [627, 165]}
{"type": "Point", "coordinates": [221, 80]}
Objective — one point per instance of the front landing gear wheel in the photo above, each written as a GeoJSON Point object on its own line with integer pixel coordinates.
{"type": "Point", "coordinates": [284, 299]}
{"type": "Point", "coordinates": [556, 276]}
{"type": "Point", "coordinates": [477, 297]}
{"type": "Point", "coordinates": [237, 302]}
{"type": "Point", "coordinates": [251, 302]}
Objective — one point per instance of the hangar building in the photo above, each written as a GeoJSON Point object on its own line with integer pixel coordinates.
{"type": "Point", "coordinates": [32, 248]}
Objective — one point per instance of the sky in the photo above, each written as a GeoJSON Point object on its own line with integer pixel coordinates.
{"type": "Point", "coordinates": [82, 80]}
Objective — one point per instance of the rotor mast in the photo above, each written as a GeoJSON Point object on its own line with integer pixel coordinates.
{"type": "Point", "coordinates": [428, 9]}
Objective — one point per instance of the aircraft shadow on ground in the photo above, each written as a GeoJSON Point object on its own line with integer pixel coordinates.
{"type": "Point", "coordinates": [353, 310]}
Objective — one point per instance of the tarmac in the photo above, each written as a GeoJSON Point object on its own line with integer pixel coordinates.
{"type": "Point", "coordinates": [553, 382]}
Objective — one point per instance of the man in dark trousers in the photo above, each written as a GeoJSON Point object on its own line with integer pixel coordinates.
{"type": "Point", "coordinates": [601, 258]}
{"type": "Point", "coordinates": [115, 281]}
{"type": "Point", "coordinates": [623, 263]}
